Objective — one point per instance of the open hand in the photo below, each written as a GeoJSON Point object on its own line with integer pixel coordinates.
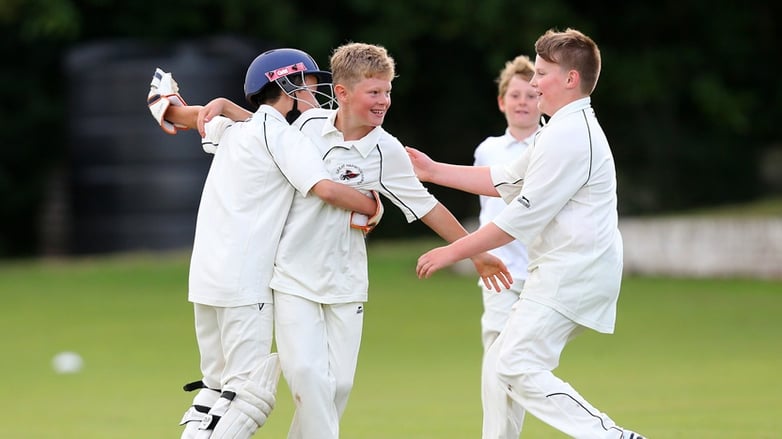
{"type": "Point", "coordinates": [492, 270]}
{"type": "Point", "coordinates": [423, 165]}
{"type": "Point", "coordinates": [432, 261]}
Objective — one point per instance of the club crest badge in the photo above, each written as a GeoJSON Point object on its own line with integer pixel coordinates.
{"type": "Point", "coordinates": [350, 174]}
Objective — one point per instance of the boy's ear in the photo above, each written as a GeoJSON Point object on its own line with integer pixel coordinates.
{"type": "Point", "coordinates": [501, 104]}
{"type": "Point", "coordinates": [573, 78]}
{"type": "Point", "coordinates": [340, 91]}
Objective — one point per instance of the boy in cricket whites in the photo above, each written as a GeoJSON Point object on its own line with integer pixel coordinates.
{"type": "Point", "coordinates": [258, 166]}
{"type": "Point", "coordinates": [517, 100]}
{"type": "Point", "coordinates": [562, 204]}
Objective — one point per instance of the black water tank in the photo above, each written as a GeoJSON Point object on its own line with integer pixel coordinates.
{"type": "Point", "coordinates": [133, 187]}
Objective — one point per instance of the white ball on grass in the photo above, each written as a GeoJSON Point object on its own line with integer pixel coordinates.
{"type": "Point", "coordinates": [67, 362]}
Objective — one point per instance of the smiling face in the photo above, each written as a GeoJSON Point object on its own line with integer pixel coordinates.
{"type": "Point", "coordinates": [363, 106]}
{"type": "Point", "coordinates": [553, 84]}
{"type": "Point", "coordinates": [520, 104]}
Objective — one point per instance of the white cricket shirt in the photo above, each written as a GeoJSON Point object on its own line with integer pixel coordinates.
{"type": "Point", "coordinates": [563, 207]}
{"type": "Point", "coordinates": [320, 257]}
{"type": "Point", "coordinates": [495, 150]}
{"type": "Point", "coordinates": [257, 167]}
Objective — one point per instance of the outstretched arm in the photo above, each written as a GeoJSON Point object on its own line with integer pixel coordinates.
{"type": "Point", "coordinates": [196, 116]}
{"type": "Point", "coordinates": [472, 179]}
{"type": "Point", "coordinates": [171, 111]}
{"type": "Point", "coordinates": [186, 116]}
{"type": "Point", "coordinates": [492, 270]}
{"type": "Point", "coordinates": [484, 239]}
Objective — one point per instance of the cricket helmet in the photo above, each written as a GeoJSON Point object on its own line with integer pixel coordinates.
{"type": "Point", "coordinates": [279, 66]}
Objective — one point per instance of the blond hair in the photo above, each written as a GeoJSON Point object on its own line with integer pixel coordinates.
{"type": "Point", "coordinates": [572, 50]}
{"type": "Point", "coordinates": [521, 66]}
{"type": "Point", "coordinates": [354, 62]}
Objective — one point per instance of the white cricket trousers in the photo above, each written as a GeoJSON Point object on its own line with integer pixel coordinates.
{"type": "Point", "coordinates": [497, 307]}
{"type": "Point", "coordinates": [233, 342]}
{"type": "Point", "coordinates": [496, 310]}
{"type": "Point", "coordinates": [519, 365]}
{"type": "Point", "coordinates": [318, 346]}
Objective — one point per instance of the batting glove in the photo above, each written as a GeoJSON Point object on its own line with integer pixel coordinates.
{"type": "Point", "coordinates": [164, 91]}
{"type": "Point", "coordinates": [367, 223]}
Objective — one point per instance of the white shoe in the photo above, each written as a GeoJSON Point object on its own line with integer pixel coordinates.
{"type": "Point", "coordinates": [627, 434]}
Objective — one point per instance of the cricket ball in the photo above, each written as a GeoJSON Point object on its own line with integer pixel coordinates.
{"type": "Point", "coordinates": [67, 362]}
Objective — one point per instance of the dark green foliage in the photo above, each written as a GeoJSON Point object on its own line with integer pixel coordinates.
{"type": "Point", "coordinates": [686, 95]}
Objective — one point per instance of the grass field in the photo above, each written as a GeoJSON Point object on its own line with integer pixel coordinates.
{"type": "Point", "coordinates": [690, 359]}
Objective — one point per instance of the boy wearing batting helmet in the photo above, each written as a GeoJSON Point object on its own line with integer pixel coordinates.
{"type": "Point", "coordinates": [259, 165]}
{"type": "Point", "coordinates": [561, 196]}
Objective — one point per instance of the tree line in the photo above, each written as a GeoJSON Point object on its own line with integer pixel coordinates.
{"type": "Point", "coordinates": [687, 95]}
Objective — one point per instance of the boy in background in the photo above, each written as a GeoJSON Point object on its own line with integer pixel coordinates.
{"type": "Point", "coordinates": [518, 102]}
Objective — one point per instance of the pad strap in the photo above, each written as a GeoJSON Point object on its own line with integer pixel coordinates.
{"type": "Point", "coordinates": [196, 385]}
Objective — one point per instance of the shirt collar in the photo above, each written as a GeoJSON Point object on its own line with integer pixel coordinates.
{"type": "Point", "coordinates": [509, 140]}
{"type": "Point", "coordinates": [271, 111]}
{"type": "Point", "coordinates": [573, 107]}
{"type": "Point", "coordinates": [364, 145]}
